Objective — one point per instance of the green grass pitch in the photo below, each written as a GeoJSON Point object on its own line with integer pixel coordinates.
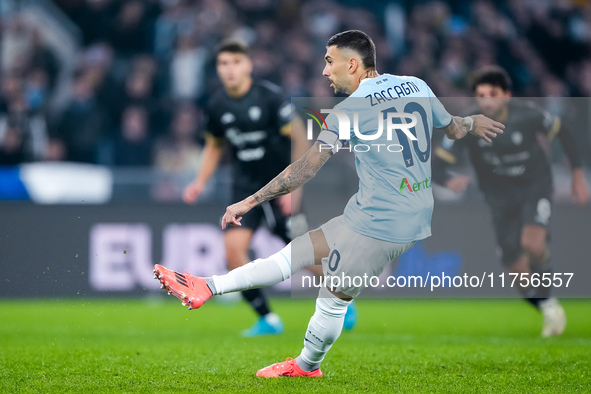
{"type": "Point", "coordinates": [155, 345]}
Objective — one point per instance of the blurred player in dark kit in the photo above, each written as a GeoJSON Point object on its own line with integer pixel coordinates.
{"type": "Point", "coordinates": [253, 117]}
{"type": "Point", "coordinates": [514, 175]}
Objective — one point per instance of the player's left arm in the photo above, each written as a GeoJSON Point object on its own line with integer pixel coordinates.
{"type": "Point", "coordinates": [580, 188]}
{"type": "Point", "coordinates": [294, 176]}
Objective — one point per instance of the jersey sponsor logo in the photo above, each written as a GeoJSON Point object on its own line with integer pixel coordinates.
{"type": "Point", "coordinates": [251, 154]}
{"type": "Point", "coordinates": [415, 187]}
{"type": "Point", "coordinates": [515, 157]}
{"type": "Point", "coordinates": [239, 139]}
{"type": "Point", "coordinates": [227, 118]}
{"type": "Point", "coordinates": [509, 171]}
{"type": "Point", "coordinates": [491, 158]}
{"type": "Point", "coordinates": [254, 113]}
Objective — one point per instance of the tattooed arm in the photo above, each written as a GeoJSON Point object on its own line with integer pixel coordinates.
{"type": "Point", "coordinates": [479, 125]}
{"type": "Point", "coordinates": [294, 176]}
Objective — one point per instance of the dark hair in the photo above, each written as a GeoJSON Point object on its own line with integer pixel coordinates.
{"type": "Point", "coordinates": [492, 75]}
{"type": "Point", "coordinates": [357, 41]}
{"type": "Point", "coordinates": [232, 46]}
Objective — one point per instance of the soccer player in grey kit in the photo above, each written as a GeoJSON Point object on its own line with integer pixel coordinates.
{"type": "Point", "coordinates": [378, 224]}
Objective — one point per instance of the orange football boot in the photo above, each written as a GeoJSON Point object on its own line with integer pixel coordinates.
{"type": "Point", "coordinates": [191, 290]}
{"type": "Point", "coordinates": [288, 367]}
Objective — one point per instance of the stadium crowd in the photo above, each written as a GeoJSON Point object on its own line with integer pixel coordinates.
{"type": "Point", "coordinates": [145, 67]}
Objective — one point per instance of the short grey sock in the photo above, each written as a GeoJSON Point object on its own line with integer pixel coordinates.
{"type": "Point", "coordinates": [210, 284]}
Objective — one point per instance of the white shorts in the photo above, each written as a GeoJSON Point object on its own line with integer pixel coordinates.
{"type": "Point", "coordinates": [354, 256]}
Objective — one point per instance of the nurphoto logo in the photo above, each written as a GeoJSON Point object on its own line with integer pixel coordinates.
{"type": "Point", "coordinates": [400, 123]}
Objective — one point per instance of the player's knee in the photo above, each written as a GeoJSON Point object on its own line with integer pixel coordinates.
{"type": "Point", "coordinates": [302, 253]}
{"type": "Point", "coordinates": [518, 267]}
{"type": "Point", "coordinates": [331, 305]}
{"type": "Point", "coordinates": [533, 246]}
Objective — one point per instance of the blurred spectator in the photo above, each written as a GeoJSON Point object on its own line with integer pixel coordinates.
{"type": "Point", "coordinates": [187, 69]}
{"type": "Point", "coordinates": [30, 124]}
{"type": "Point", "coordinates": [156, 54]}
{"type": "Point", "coordinates": [16, 41]}
{"type": "Point", "coordinates": [10, 90]}
{"type": "Point", "coordinates": [131, 32]}
{"type": "Point", "coordinates": [37, 89]}
{"type": "Point", "coordinates": [84, 123]}
{"type": "Point", "coordinates": [132, 146]}
{"type": "Point", "coordinates": [176, 19]}
{"type": "Point", "coordinates": [97, 61]}
{"type": "Point", "coordinates": [179, 150]}
{"type": "Point", "coordinates": [56, 150]}
{"type": "Point", "coordinates": [12, 151]}
{"type": "Point", "coordinates": [136, 90]}
{"type": "Point", "coordinates": [40, 58]}
{"type": "Point", "coordinates": [97, 20]}
{"type": "Point", "coordinates": [178, 153]}
{"type": "Point", "coordinates": [265, 64]}
{"type": "Point", "coordinates": [94, 17]}
{"type": "Point", "coordinates": [293, 82]}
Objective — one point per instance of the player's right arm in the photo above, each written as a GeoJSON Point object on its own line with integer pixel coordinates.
{"type": "Point", "coordinates": [455, 128]}
{"type": "Point", "coordinates": [478, 125]}
{"type": "Point", "coordinates": [212, 153]}
{"type": "Point", "coordinates": [458, 127]}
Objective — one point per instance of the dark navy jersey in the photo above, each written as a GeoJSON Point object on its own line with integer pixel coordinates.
{"type": "Point", "coordinates": [251, 127]}
{"type": "Point", "coordinates": [514, 158]}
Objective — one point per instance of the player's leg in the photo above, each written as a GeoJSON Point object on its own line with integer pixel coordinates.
{"type": "Point", "coordinates": [534, 242]}
{"type": "Point", "coordinates": [537, 255]}
{"type": "Point", "coordinates": [302, 252]}
{"type": "Point", "coordinates": [507, 222]}
{"type": "Point", "coordinates": [323, 330]}
{"type": "Point", "coordinates": [348, 250]}
{"type": "Point", "coordinates": [534, 235]}
{"type": "Point", "coordinates": [521, 237]}
{"type": "Point", "coordinates": [325, 325]}
{"type": "Point", "coordinates": [350, 320]}
{"type": "Point", "coordinates": [286, 227]}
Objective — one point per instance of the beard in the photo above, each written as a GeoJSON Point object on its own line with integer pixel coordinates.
{"type": "Point", "coordinates": [337, 89]}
